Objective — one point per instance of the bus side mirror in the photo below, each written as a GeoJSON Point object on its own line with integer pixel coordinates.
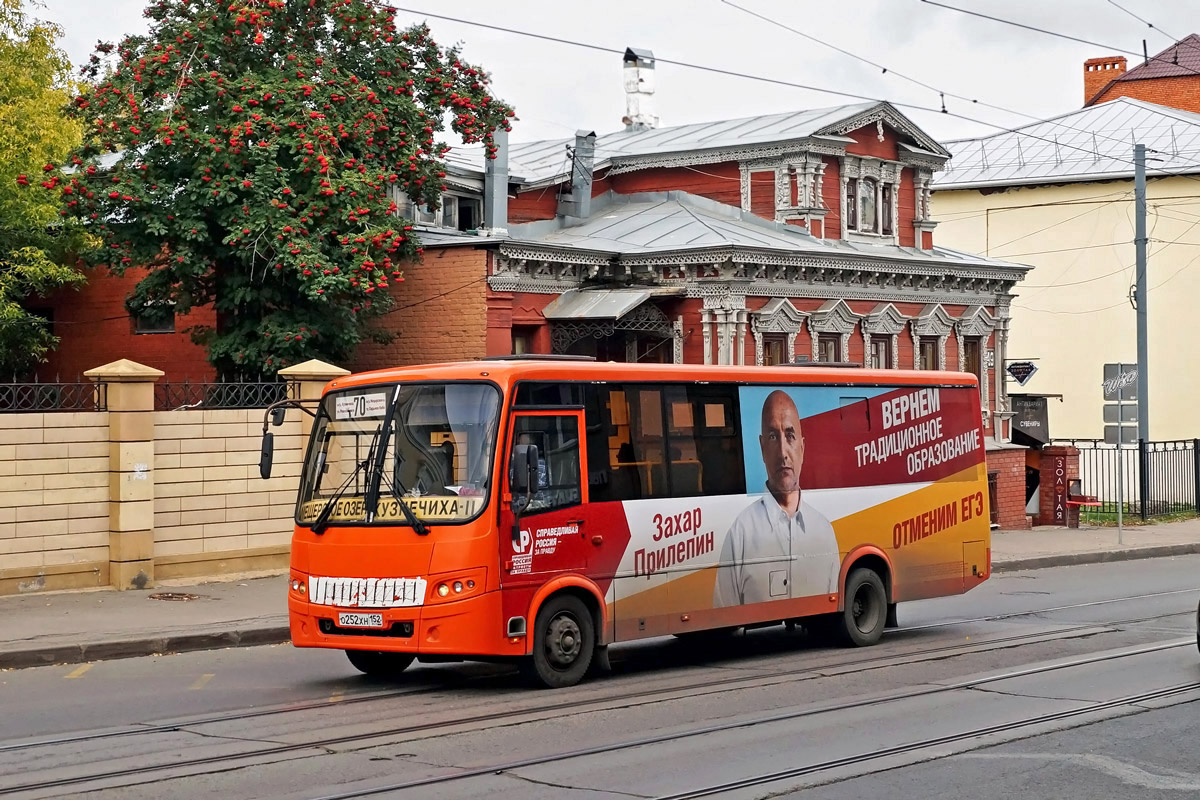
{"type": "Point", "coordinates": [524, 469]}
{"type": "Point", "coordinates": [268, 455]}
{"type": "Point", "coordinates": [277, 416]}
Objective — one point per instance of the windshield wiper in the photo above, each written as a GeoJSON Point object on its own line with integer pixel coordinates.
{"type": "Point", "coordinates": [397, 491]}
{"type": "Point", "coordinates": [380, 457]}
{"type": "Point", "coordinates": [322, 520]}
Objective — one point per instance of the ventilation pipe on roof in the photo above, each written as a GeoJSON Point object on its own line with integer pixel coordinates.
{"type": "Point", "coordinates": [578, 203]}
{"type": "Point", "coordinates": [639, 90]}
{"type": "Point", "coordinates": [495, 187]}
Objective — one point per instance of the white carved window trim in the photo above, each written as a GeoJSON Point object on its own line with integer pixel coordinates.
{"type": "Point", "coordinates": [777, 316]}
{"type": "Point", "coordinates": [885, 320]}
{"type": "Point", "coordinates": [880, 173]}
{"type": "Point", "coordinates": [977, 323]}
{"type": "Point", "coordinates": [934, 322]}
{"type": "Point", "coordinates": [834, 316]}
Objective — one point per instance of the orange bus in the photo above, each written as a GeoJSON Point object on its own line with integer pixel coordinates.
{"type": "Point", "coordinates": [540, 509]}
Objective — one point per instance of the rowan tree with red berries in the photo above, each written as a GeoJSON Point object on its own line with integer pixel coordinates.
{"type": "Point", "coordinates": [261, 146]}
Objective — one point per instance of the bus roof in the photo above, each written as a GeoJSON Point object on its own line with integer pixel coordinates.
{"type": "Point", "coordinates": [509, 370]}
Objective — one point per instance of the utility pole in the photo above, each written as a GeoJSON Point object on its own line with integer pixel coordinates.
{"type": "Point", "coordinates": [1139, 243]}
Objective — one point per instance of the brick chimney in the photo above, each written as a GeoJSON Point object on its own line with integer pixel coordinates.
{"type": "Point", "coordinates": [1097, 72]}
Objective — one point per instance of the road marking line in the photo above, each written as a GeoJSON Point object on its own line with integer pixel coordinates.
{"type": "Point", "coordinates": [201, 682]}
{"type": "Point", "coordinates": [75, 673]}
{"type": "Point", "coordinates": [338, 694]}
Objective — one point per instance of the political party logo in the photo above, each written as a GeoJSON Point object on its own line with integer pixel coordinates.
{"type": "Point", "coordinates": [522, 561]}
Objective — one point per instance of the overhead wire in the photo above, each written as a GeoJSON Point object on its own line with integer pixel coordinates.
{"type": "Point", "coordinates": [1140, 19]}
{"type": "Point", "coordinates": [1036, 29]}
{"type": "Point", "coordinates": [944, 94]}
{"type": "Point", "coordinates": [767, 79]}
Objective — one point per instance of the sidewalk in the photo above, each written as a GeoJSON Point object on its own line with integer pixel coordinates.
{"type": "Point", "coordinates": [239, 611]}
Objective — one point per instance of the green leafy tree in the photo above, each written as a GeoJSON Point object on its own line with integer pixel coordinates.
{"type": "Point", "coordinates": [35, 245]}
{"type": "Point", "coordinates": [262, 145]}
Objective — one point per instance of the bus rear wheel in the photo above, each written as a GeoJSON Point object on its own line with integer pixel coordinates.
{"type": "Point", "coordinates": [379, 664]}
{"type": "Point", "coordinates": [866, 613]}
{"type": "Point", "coordinates": [564, 641]}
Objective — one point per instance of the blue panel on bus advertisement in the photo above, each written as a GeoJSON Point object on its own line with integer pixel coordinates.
{"type": "Point", "coordinates": [808, 401]}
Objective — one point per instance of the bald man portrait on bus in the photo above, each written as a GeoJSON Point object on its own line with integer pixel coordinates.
{"type": "Point", "coordinates": [779, 546]}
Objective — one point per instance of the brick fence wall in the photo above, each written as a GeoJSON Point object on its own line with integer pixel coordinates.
{"type": "Point", "coordinates": [209, 499]}
{"type": "Point", "coordinates": [128, 495]}
{"type": "Point", "coordinates": [53, 500]}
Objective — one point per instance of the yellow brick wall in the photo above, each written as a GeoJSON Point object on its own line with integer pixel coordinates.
{"type": "Point", "coordinates": [54, 491]}
{"type": "Point", "coordinates": [208, 496]}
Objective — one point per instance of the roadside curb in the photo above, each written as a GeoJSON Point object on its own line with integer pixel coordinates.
{"type": "Point", "coordinates": [150, 646]}
{"type": "Point", "coordinates": [1098, 557]}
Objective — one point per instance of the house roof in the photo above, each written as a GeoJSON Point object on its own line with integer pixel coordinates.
{"type": "Point", "coordinates": [655, 223]}
{"type": "Point", "coordinates": [547, 161]}
{"type": "Point", "coordinates": [1181, 59]}
{"type": "Point", "coordinates": [1090, 144]}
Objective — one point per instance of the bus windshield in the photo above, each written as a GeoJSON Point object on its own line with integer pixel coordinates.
{"type": "Point", "coordinates": [438, 453]}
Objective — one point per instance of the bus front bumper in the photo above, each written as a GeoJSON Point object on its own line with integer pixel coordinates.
{"type": "Point", "coordinates": [469, 627]}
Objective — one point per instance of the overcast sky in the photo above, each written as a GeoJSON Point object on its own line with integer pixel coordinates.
{"type": "Point", "coordinates": [558, 88]}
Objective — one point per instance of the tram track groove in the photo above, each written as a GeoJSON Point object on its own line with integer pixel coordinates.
{"type": "Point", "coordinates": [799, 673]}
{"type": "Point", "coordinates": [1133, 701]}
{"type": "Point", "coordinates": [774, 718]}
{"type": "Point", "coordinates": [230, 761]}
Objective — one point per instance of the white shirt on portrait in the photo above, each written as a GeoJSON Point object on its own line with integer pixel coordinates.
{"type": "Point", "coordinates": [769, 555]}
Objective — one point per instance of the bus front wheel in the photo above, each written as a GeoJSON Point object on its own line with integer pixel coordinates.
{"type": "Point", "coordinates": [379, 664]}
{"type": "Point", "coordinates": [563, 644]}
{"type": "Point", "coordinates": [866, 612]}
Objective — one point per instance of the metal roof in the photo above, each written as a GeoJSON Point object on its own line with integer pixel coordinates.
{"type": "Point", "coordinates": [667, 222]}
{"type": "Point", "coordinates": [1181, 59]}
{"type": "Point", "coordinates": [548, 161]}
{"type": "Point", "coordinates": [1093, 143]}
{"type": "Point", "coordinates": [595, 303]}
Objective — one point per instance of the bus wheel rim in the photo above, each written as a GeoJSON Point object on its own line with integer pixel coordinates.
{"type": "Point", "coordinates": [564, 640]}
{"type": "Point", "coordinates": [865, 608]}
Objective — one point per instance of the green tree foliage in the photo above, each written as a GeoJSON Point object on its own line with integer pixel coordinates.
{"type": "Point", "coordinates": [34, 244]}
{"type": "Point", "coordinates": [262, 145]}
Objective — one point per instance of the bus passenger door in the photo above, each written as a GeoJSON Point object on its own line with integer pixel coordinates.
{"type": "Point", "coordinates": [552, 536]}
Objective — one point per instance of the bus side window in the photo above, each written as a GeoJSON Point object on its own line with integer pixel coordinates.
{"type": "Point", "coordinates": [557, 438]}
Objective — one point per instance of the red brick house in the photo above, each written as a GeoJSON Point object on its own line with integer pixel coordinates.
{"type": "Point", "coordinates": [1170, 78]}
{"type": "Point", "coordinates": [784, 237]}
{"type": "Point", "coordinates": [798, 236]}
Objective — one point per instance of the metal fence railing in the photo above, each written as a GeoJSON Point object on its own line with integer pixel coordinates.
{"type": "Point", "coordinates": [1153, 479]}
{"type": "Point", "coordinates": [74, 396]}
{"type": "Point", "coordinates": [218, 394]}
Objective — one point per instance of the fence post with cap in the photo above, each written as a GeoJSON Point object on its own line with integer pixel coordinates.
{"type": "Point", "coordinates": [130, 394]}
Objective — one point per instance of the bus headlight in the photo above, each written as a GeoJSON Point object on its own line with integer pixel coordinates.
{"type": "Point", "coordinates": [298, 586]}
{"type": "Point", "coordinates": [457, 586]}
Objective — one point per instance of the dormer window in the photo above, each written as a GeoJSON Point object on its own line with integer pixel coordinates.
{"type": "Point", "coordinates": [870, 196]}
{"type": "Point", "coordinates": [867, 216]}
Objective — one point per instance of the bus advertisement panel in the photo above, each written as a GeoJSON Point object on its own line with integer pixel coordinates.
{"type": "Point", "coordinates": [828, 472]}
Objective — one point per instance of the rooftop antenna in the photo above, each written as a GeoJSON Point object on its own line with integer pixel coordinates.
{"type": "Point", "coordinates": [1057, 153]}
{"type": "Point", "coordinates": [1095, 148]}
{"type": "Point", "coordinates": [1174, 144]}
{"type": "Point", "coordinates": [1020, 153]}
{"type": "Point", "coordinates": [983, 153]}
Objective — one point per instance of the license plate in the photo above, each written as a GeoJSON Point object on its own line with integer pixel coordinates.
{"type": "Point", "coordinates": [353, 620]}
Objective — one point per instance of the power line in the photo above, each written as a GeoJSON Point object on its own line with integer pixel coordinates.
{"type": "Point", "coordinates": [1036, 29]}
{"type": "Point", "coordinates": [1140, 19]}
{"type": "Point", "coordinates": [776, 82]}
{"type": "Point", "coordinates": [941, 92]}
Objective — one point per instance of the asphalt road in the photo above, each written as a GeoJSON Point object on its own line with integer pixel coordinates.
{"type": "Point", "coordinates": [1059, 694]}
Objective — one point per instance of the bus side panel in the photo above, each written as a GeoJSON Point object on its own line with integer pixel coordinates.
{"type": "Point", "coordinates": [901, 469]}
